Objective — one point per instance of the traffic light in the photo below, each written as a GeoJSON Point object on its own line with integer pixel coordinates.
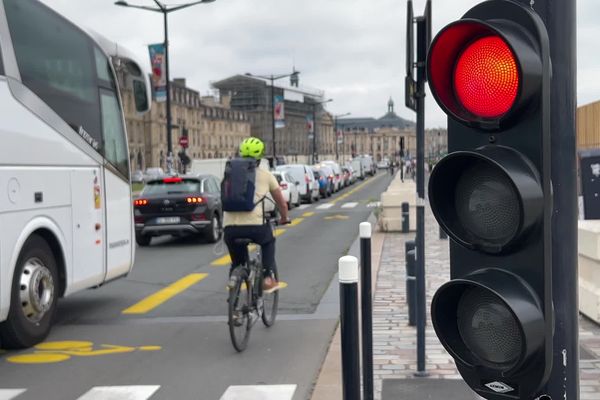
{"type": "Point", "coordinates": [490, 72]}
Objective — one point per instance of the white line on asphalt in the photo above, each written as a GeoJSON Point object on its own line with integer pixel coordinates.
{"type": "Point", "coordinates": [350, 205]}
{"type": "Point", "coordinates": [8, 394]}
{"type": "Point", "coordinates": [259, 392]}
{"type": "Point", "coordinates": [120, 393]}
{"type": "Point", "coordinates": [325, 206]}
{"type": "Point", "coordinates": [374, 204]}
{"type": "Point", "coordinates": [303, 206]}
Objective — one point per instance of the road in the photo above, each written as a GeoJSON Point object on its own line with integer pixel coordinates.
{"type": "Point", "coordinates": [161, 333]}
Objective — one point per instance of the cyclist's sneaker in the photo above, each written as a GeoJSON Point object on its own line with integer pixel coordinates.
{"type": "Point", "coordinates": [270, 284]}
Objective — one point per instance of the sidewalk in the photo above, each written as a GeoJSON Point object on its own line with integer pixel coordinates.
{"type": "Point", "coordinates": [394, 342]}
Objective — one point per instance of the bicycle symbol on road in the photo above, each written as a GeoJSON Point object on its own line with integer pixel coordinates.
{"type": "Point", "coordinates": [55, 352]}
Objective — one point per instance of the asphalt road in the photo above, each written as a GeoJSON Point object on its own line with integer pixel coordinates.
{"type": "Point", "coordinates": [161, 333]}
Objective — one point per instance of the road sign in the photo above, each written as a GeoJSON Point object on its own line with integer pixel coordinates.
{"type": "Point", "coordinates": [490, 73]}
{"type": "Point", "coordinates": [183, 141]}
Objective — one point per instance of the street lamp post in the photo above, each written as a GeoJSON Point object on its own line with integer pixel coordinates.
{"type": "Point", "coordinates": [273, 78]}
{"type": "Point", "coordinates": [335, 119]}
{"type": "Point", "coordinates": [315, 155]}
{"type": "Point", "coordinates": [165, 10]}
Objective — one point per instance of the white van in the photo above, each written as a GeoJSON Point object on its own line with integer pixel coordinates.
{"type": "Point", "coordinates": [308, 186]}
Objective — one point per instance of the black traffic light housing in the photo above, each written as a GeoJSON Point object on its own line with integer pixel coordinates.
{"type": "Point", "coordinates": [490, 72]}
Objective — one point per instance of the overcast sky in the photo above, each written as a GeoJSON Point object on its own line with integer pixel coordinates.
{"type": "Point", "coordinates": [352, 49]}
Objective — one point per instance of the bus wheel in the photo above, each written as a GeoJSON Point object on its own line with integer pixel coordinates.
{"type": "Point", "coordinates": [33, 298]}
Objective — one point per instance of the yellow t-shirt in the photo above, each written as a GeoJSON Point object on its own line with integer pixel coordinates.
{"type": "Point", "coordinates": [265, 183]}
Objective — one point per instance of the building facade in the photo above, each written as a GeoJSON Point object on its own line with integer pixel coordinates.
{"type": "Point", "coordinates": [588, 126]}
{"type": "Point", "coordinates": [253, 96]}
{"type": "Point", "coordinates": [213, 129]}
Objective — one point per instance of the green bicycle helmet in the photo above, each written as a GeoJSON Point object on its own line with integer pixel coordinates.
{"type": "Point", "coordinates": [252, 147]}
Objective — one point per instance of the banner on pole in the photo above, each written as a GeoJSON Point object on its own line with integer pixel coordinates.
{"type": "Point", "coordinates": [279, 112]}
{"type": "Point", "coordinates": [159, 73]}
{"type": "Point", "coordinates": [310, 125]}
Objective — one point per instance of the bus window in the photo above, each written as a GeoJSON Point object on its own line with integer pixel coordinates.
{"type": "Point", "coordinates": [56, 62]}
{"type": "Point", "coordinates": [115, 147]}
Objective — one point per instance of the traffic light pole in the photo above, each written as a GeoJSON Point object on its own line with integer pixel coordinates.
{"type": "Point", "coordinates": [560, 19]}
{"type": "Point", "coordinates": [420, 253]}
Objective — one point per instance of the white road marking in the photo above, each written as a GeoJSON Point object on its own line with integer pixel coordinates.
{"type": "Point", "coordinates": [350, 205]}
{"type": "Point", "coordinates": [120, 393]}
{"type": "Point", "coordinates": [325, 206]}
{"type": "Point", "coordinates": [8, 394]}
{"type": "Point", "coordinates": [259, 392]}
{"type": "Point", "coordinates": [303, 206]}
{"type": "Point", "coordinates": [374, 204]}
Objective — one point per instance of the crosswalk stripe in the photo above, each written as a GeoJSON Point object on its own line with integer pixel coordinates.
{"type": "Point", "coordinates": [350, 205]}
{"type": "Point", "coordinates": [303, 206]}
{"type": "Point", "coordinates": [8, 394]}
{"type": "Point", "coordinates": [120, 392]}
{"type": "Point", "coordinates": [325, 206]}
{"type": "Point", "coordinates": [259, 392]}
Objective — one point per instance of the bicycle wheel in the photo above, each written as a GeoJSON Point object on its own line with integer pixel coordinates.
{"type": "Point", "coordinates": [240, 305]}
{"type": "Point", "coordinates": [270, 303]}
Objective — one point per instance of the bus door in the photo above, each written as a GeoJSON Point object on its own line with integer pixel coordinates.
{"type": "Point", "coordinates": [88, 226]}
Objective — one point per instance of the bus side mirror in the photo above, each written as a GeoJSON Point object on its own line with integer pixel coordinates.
{"type": "Point", "coordinates": [140, 96]}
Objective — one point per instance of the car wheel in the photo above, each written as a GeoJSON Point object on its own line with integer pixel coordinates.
{"type": "Point", "coordinates": [142, 240]}
{"type": "Point", "coordinates": [35, 291]}
{"type": "Point", "coordinates": [214, 229]}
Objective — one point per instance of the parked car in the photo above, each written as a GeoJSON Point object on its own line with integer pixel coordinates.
{"type": "Point", "coordinates": [137, 177]}
{"type": "Point", "coordinates": [309, 187]}
{"type": "Point", "coordinates": [353, 174]}
{"type": "Point", "coordinates": [383, 164]}
{"type": "Point", "coordinates": [153, 173]}
{"type": "Point", "coordinates": [289, 188]}
{"type": "Point", "coordinates": [179, 206]}
{"type": "Point", "coordinates": [346, 175]}
{"type": "Point", "coordinates": [337, 174]}
{"type": "Point", "coordinates": [358, 167]}
{"type": "Point", "coordinates": [324, 175]}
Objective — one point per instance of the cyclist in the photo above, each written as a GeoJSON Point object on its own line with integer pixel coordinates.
{"type": "Point", "coordinates": [250, 224]}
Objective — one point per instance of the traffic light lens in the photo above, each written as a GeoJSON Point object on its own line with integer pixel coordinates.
{"type": "Point", "coordinates": [486, 78]}
{"type": "Point", "coordinates": [487, 205]}
{"type": "Point", "coordinates": [488, 328]}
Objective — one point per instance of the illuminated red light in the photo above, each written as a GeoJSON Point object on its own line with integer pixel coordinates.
{"type": "Point", "coordinates": [486, 77]}
{"type": "Point", "coordinates": [194, 200]}
{"type": "Point", "coordinates": [140, 202]}
{"type": "Point", "coordinates": [172, 180]}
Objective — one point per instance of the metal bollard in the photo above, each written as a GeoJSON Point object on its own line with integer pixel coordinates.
{"type": "Point", "coordinates": [366, 310]}
{"type": "Point", "coordinates": [411, 287]}
{"type": "Point", "coordinates": [408, 246]}
{"type": "Point", "coordinates": [348, 277]}
{"type": "Point", "coordinates": [405, 218]}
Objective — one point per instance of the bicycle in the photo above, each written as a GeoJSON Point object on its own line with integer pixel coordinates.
{"type": "Point", "coordinates": [247, 302]}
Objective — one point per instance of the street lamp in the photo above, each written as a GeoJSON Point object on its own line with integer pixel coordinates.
{"type": "Point", "coordinates": [335, 119]}
{"type": "Point", "coordinates": [273, 78]}
{"type": "Point", "coordinates": [165, 10]}
{"type": "Point", "coordinates": [315, 154]}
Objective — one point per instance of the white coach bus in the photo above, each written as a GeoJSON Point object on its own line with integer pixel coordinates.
{"type": "Point", "coordinates": [66, 221]}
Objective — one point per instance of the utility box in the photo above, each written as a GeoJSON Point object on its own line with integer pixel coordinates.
{"type": "Point", "coordinates": [589, 168]}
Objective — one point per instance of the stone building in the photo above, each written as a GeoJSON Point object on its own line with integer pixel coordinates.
{"type": "Point", "coordinates": [213, 129]}
{"type": "Point", "coordinates": [252, 95]}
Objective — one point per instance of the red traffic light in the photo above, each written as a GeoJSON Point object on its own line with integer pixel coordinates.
{"type": "Point", "coordinates": [486, 78]}
{"type": "Point", "coordinates": [480, 72]}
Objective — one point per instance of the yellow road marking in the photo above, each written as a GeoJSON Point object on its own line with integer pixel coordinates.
{"type": "Point", "coordinates": [278, 232]}
{"type": "Point", "coordinates": [296, 221]}
{"type": "Point", "coordinates": [342, 197]}
{"type": "Point", "coordinates": [308, 214]}
{"type": "Point", "coordinates": [340, 217]}
{"type": "Point", "coordinates": [156, 299]}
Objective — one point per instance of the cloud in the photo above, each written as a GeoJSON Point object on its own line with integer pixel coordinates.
{"type": "Point", "coordinates": [352, 49]}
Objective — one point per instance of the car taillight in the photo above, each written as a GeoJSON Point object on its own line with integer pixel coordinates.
{"type": "Point", "coordinates": [194, 200]}
{"type": "Point", "coordinates": [139, 219]}
{"type": "Point", "coordinates": [140, 202]}
{"type": "Point", "coordinates": [172, 180]}
{"type": "Point", "coordinates": [283, 185]}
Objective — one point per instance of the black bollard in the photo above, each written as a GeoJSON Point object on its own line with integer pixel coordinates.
{"type": "Point", "coordinates": [366, 310]}
{"type": "Point", "coordinates": [405, 218]}
{"type": "Point", "coordinates": [348, 277]}
{"type": "Point", "coordinates": [411, 287]}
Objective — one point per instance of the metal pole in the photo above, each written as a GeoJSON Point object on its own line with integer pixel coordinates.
{"type": "Point", "coordinates": [348, 277]}
{"type": "Point", "coordinates": [335, 137]}
{"type": "Point", "coordinates": [366, 310]}
{"type": "Point", "coordinates": [273, 120]}
{"type": "Point", "coordinates": [168, 105]}
{"type": "Point", "coordinates": [420, 253]}
{"type": "Point", "coordinates": [314, 134]}
{"type": "Point", "coordinates": [560, 19]}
